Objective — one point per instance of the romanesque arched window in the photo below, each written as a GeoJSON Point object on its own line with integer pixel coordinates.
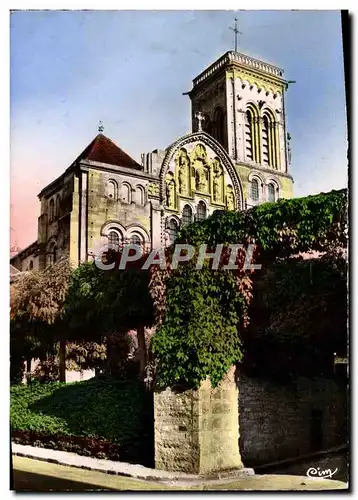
{"type": "Point", "coordinates": [265, 144]}
{"type": "Point", "coordinates": [31, 265]}
{"type": "Point", "coordinates": [252, 145]}
{"type": "Point", "coordinates": [270, 148]}
{"type": "Point", "coordinates": [52, 209]}
{"type": "Point", "coordinates": [271, 192]}
{"type": "Point", "coordinates": [140, 195]}
{"type": "Point", "coordinates": [173, 228]}
{"type": "Point", "coordinates": [52, 253]}
{"type": "Point", "coordinates": [255, 193]}
{"type": "Point", "coordinates": [218, 126]}
{"type": "Point", "coordinates": [187, 216]}
{"type": "Point", "coordinates": [201, 211]}
{"type": "Point", "coordinates": [207, 124]}
{"type": "Point", "coordinates": [136, 239]}
{"type": "Point", "coordinates": [58, 202]}
{"type": "Point", "coordinates": [126, 193]}
{"type": "Point", "coordinates": [114, 239]}
{"type": "Point", "coordinates": [112, 190]}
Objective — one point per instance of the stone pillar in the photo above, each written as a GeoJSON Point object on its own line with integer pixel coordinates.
{"type": "Point", "coordinates": [197, 431]}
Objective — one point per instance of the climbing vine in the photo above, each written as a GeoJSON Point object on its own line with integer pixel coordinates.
{"type": "Point", "coordinates": [202, 314]}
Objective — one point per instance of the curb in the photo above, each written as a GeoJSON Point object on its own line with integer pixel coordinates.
{"type": "Point", "coordinates": [119, 468]}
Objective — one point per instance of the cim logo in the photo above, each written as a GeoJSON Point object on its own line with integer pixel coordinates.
{"type": "Point", "coordinates": [317, 472]}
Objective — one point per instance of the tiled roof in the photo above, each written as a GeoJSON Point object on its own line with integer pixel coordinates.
{"type": "Point", "coordinates": [103, 150]}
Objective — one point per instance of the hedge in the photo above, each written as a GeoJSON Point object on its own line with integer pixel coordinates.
{"type": "Point", "coordinates": [99, 417]}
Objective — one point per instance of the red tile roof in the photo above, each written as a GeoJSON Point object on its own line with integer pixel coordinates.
{"type": "Point", "coordinates": [103, 150]}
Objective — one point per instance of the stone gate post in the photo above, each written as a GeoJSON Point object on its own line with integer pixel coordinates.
{"type": "Point", "coordinates": [197, 431]}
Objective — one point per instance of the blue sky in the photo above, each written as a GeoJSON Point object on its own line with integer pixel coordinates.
{"type": "Point", "coordinates": [129, 69]}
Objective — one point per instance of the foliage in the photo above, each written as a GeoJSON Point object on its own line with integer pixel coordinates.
{"type": "Point", "coordinates": [203, 315]}
{"type": "Point", "coordinates": [36, 304]}
{"type": "Point", "coordinates": [109, 410]}
{"type": "Point", "coordinates": [299, 316]}
{"type": "Point", "coordinates": [39, 295]}
{"type": "Point", "coordinates": [107, 301]}
{"type": "Point", "coordinates": [280, 229]}
{"type": "Point", "coordinates": [200, 339]}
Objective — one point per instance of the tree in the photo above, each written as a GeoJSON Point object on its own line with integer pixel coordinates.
{"type": "Point", "coordinates": [37, 300]}
{"type": "Point", "coordinates": [107, 304]}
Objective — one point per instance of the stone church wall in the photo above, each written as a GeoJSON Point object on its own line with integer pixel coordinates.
{"type": "Point", "coordinates": [276, 420]}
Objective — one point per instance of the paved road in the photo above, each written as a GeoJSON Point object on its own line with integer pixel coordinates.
{"type": "Point", "coordinates": [35, 475]}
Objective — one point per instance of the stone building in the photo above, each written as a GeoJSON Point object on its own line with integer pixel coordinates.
{"type": "Point", "coordinates": [236, 156]}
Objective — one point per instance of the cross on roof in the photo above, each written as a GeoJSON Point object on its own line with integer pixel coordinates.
{"type": "Point", "coordinates": [237, 32]}
{"type": "Point", "coordinates": [100, 126]}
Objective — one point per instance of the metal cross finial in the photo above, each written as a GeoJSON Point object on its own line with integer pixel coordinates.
{"type": "Point", "coordinates": [100, 127]}
{"type": "Point", "coordinates": [237, 32]}
{"type": "Point", "coordinates": [200, 117]}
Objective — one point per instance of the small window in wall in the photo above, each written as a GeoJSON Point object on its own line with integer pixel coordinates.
{"type": "Point", "coordinates": [113, 240]}
{"type": "Point", "coordinates": [52, 209]}
{"type": "Point", "coordinates": [126, 193]}
{"type": "Point", "coordinates": [52, 254]}
{"type": "Point", "coordinates": [173, 230]}
{"type": "Point", "coordinates": [112, 190]}
{"type": "Point", "coordinates": [254, 190]}
{"type": "Point", "coordinates": [187, 216]}
{"type": "Point", "coordinates": [58, 206]}
{"type": "Point", "coordinates": [140, 195]}
{"type": "Point", "coordinates": [201, 211]}
{"type": "Point", "coordinates": [271, 195]}
{"type": "Point", "coordinates": [316, 430]}
{"type": "Point", "coordinates": [31, 265]}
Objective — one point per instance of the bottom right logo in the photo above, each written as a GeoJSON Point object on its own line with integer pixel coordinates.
{"type": "Point", "coordinates": [323, 474]}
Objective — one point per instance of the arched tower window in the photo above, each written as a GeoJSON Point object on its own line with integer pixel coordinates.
{"type": "Point", "coordinates": [255, 193]}
{"type": "Point", "coordinates": [265, 144]}
{"type": "Point", "coordinates": [187, 216]}
{"type": "Point", "coordinates": [271, 192]}
{"type": "Point", "coordinates": [207, 124]}
{"type": "Point", "coordinates": [270, 147]}
{"type": "Point", "coordinates": [201, 211]}
{"type": "Point", "coordinates": [52, 209]}
{"type": "Point", "coordinates": [252, 144]}
{"type": "Point", "coordinates": [126, 193]}
{"type": "Point", "coordinates": [112, 190]}
{"type": "Point", "coordinates": [218, 126]}
{"type": "Point", "coordinates": [173, 230]}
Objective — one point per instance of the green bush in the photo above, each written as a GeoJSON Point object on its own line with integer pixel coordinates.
{"type": "Point", "coordinates": [102, 409]}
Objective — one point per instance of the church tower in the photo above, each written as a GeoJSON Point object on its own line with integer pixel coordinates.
{"type": "Point", "coordinates": [242, 100]}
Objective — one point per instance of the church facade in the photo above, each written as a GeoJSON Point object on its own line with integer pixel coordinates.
{"type": "Point", "coordinates": [237, 156]}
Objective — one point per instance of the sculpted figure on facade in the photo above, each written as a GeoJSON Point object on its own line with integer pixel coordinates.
{"type": "Point", "coordinates": [230, 203]}
{"type": "Point", "coordinates": [170, 194]}
{"type": "Point", "coordinates": [201, 177]}
{"type": "Point", "coordinates": [218, 180]}
{"type": "Point", "coordinates": [182, 163]}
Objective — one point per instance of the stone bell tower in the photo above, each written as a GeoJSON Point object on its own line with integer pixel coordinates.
{"type": "Point", "coordinates": [242, 100]}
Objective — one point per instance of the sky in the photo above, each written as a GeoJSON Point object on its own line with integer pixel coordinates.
{"type": "Point", "coordinates": [70, 69]}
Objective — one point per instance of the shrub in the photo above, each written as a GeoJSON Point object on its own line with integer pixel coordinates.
{"type": "Point", "coordinates": [86, 417]}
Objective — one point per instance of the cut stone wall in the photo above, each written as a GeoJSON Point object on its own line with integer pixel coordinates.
{"type": "Point", "coordinates": [197, 431]}
{"type": "Point", "coordinates": [275, 419]}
